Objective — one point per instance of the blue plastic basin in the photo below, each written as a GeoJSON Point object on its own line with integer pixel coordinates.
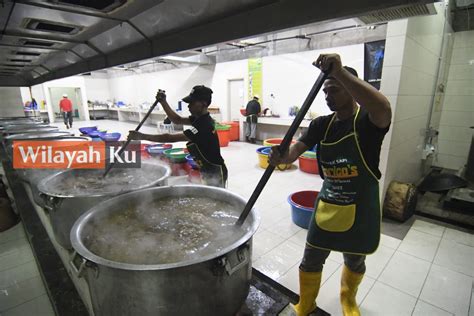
{"type": "Point", "coordinates": [191, 162]}
{"type": "Point", "coordinates": [110, 137]}
{"type": "Point", "coordinates": [88, 129]}
{"type": "Point", "coordinates": [158, 149]}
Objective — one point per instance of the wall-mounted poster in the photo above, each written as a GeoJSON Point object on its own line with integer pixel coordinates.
{"type": "Point", "coordinates": [255, 77]}
{"type": "Point", "coordinates": [373, 62]}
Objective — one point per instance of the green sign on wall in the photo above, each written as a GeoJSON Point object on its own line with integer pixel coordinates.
{"type": "Point", "coordinates": [255, 77]}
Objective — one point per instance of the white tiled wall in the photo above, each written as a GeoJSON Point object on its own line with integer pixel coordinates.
{"type": "Point", "coordinates": [458, 107]}
{"type": "Point", "coordinates": [408, 79]}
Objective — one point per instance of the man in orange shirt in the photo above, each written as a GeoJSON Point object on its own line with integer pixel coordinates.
{"type": "Point", "coordinates": [65, 105]}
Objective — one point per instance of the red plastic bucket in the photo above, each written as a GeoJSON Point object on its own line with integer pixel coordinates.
{"type": "Point", "coordinates": [309, 165]}
{"type": "Point", "coordinates": [179, 168]}
{"type": "Point", "coordinates": [194, 176]}
{"type": "Point", "coordinates": [302, 207]}
{"type": "Point", "coordinates": [223, 133]}
{"type": "Point", "coordinates": [234, 130]}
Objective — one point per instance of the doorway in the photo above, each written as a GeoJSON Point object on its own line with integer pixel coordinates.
{"type": "Point", "coordinates": [235, 98]}
{"type": "Point", "coordinates": [73, 94]}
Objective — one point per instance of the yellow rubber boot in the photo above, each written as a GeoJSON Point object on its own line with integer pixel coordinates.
{"type": "Point", "coordinates": [309, 289]}
{"type": "Point", "coordinates": [349, 284]}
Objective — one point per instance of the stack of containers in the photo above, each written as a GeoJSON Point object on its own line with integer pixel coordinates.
{"type": "Point", "coordinates": [177, 161]}
{"type": "Point", "coordinates": [234, 130]}
{"type": "Point", "coordinates": [157, 150]}
{"type": "Point", "coordinates": [194, 176]}
{"type": "Point", "coordinates": [308, 162]}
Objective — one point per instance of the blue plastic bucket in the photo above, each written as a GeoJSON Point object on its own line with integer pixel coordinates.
{"type": "Point", "coordinates": [302, 207]}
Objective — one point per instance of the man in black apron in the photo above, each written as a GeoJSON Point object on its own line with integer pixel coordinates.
{"type": "Point", "coordinates": [202, 141]}
{"type": "Point", "coordinates": [252, 111]}
{"type": "Point", "coordinates": [347, 212]}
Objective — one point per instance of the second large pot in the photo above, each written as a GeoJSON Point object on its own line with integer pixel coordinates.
{"type": "Point", "coordinates": [34, 176]}
{"type": "Point", "coordinates": [213, 280]}
{"type": "Point", "coordinates": [70, 193]}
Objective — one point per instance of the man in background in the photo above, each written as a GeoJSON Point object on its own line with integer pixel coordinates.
{"type": "Point", "coordinates": [65, 105]}
{"type": "Point", "coordinates": [251, 111]}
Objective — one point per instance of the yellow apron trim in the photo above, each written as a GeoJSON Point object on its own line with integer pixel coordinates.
{"type": "Point", "coordinates": [353, 253]}
{"type": "Point", "coordinates": [327, 129]}
{"type": "Point", "coordinates": [340, 140]}
{"type": "Point", "coordinates": [356, 138]}
{"type": "Point", "coordinates": [335, 218]}
{"type": "Point", "coordinates": [363, 160]}
{"type": "Point", "coordinates": [360, 151]}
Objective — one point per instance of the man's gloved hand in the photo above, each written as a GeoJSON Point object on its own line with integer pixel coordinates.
{"type": "Point", "coordinates": [329, 62]}
{"type": "Point", "coordinates": [275, 157]}
{"type": "Point", "coordinates": [134, 135]}
{"type": "Point", "coordinates": [161, 95]}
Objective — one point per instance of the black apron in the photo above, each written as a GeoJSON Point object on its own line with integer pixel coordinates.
{"type": "Point", "coordinates": [211, 174]}
{"type": "Point", "coordinates": [347, 213]}
{"type": "Point", "coordinates": [252, 118]}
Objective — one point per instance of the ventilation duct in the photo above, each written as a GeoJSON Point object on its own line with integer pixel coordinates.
{"type": "Point", "coordinates": [37, 43]}
{"type": "Point", "coordinates": [27, 54]}
{"type": "Point", "coordinates": [398, 13]}
{"type": "Point", "coordinates": [51, 27]}
{"type": "Point", "coordinates": [102, 5]}
{"type": "Point", "coordinates": [12, 65]}
{"type": "Point", "coordinates": [21, 60]}
{"type": "Point", "coordinates": [464, 3]}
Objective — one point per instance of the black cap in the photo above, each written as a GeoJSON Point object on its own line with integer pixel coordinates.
{"type": "Point", "coordinates": [199, 93]}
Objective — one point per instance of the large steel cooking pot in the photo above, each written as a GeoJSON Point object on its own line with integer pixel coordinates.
{"type": "Point", "coordinates": [8, 140]}
{"type": "Point", "coordinates": [213, 284]}
{"type": "Point", "coordinates": [20, 120]}
{"type": "Point", "coordinates": [67, 196]}
{"type": "Point", "coordinates": [14, 128]}
{"type": "Point", "coordinates": [22, 125]}
{"type": "Point", "coordinates": [33, 176]}
{"type": "Point", "coordinates": [27, 130]}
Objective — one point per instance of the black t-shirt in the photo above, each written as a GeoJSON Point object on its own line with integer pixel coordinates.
{"type": "Point", "coordinates": [370, 136]}
{"type": "Point", "coordinates": [253, 107]}
{"type": "Point", "coordinates": [204, 135]}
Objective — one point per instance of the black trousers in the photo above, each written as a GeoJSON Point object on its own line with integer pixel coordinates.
{"type": "Point", "coordinates": [67, 118]}
{"type": "Point", "coordinates": [314, 258]}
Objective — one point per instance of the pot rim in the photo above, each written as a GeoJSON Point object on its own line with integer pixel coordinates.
{"type": "Point", "coordinates": [30, 130]}
{"type": "Point", "coordinates": [43, 135]}
{"type": "Point", "coordinates": [79, 225]}
{"type": "Point", "coordinates": [42, 187]}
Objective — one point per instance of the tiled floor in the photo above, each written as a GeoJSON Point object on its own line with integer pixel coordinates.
{"type": "Point", "coordinates": [21, 289]}
{"type": "Point", "coordinates": [429, 272]}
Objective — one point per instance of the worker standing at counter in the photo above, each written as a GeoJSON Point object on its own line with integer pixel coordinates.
{"type": "Point", "coordinates": [347, 212]}
{"type": "Point", "coordinates": [252, 111]}
{"type": "Point", "coordinates": [201, 138]}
